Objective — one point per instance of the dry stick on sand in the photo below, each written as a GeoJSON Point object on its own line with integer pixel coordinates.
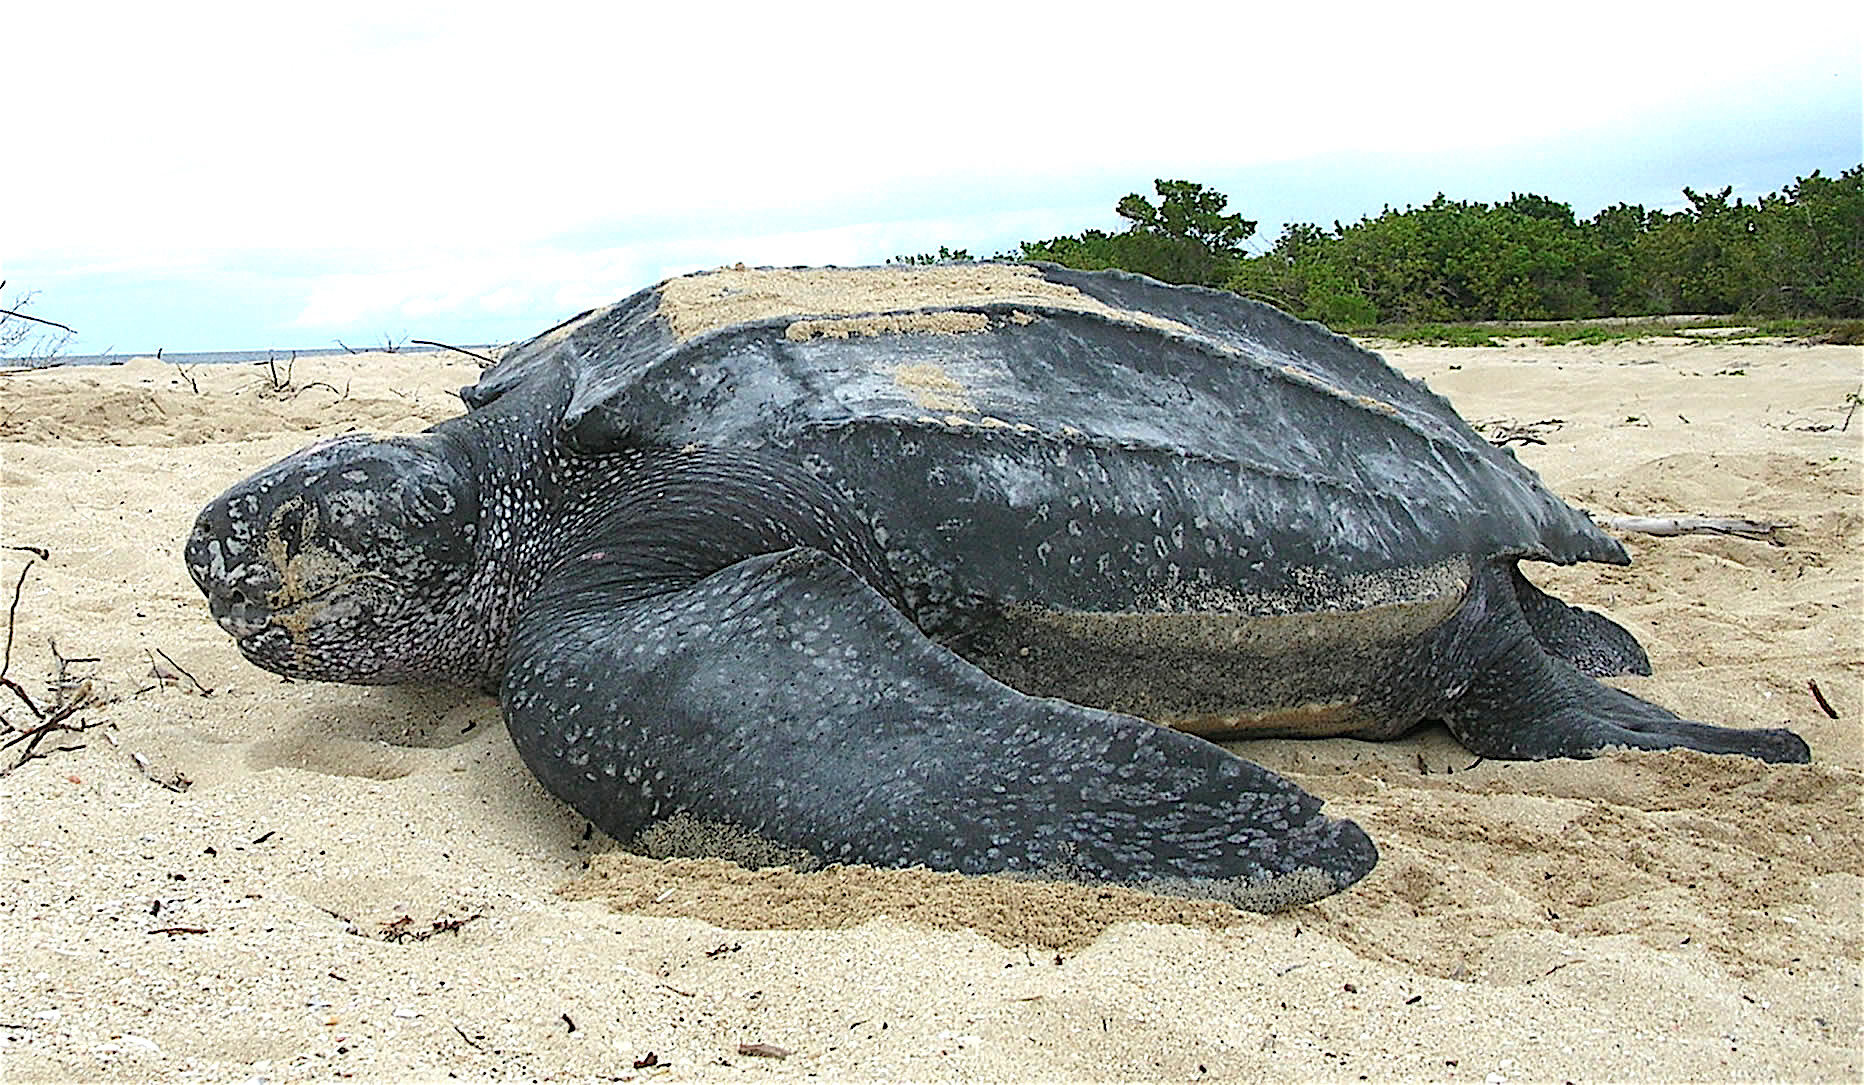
{"type": "Point", "coordinates": [51, 725]}
{"type": "Point", "coordinates": [1819, 696]}
{"type": "Point", "coordinates": [71, 695]}
{"type": "Point", "coordinates": [173, 672]}
{"type": "Point", "coordinates": [72, 698]}
{"type": "Point", "coordinates": [765, 1051]}
{"type": "Point", "coordinates": [1503, 432]}
{"type": "Point", "coordinates": [1696, 525]}
{"type": "Point", "coordinates": [279, 386]}
{"type": "Point", "coordinates": [461, 350]}
{"type": "Point", "coordinates": [6, 657]}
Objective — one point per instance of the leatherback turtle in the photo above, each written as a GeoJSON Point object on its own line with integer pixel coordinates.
{"type": "Point", "coordinates": [895, 565]}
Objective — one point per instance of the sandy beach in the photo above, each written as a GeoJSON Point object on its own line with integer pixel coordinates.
{"type": "Point", "coordinates": [226, 876]}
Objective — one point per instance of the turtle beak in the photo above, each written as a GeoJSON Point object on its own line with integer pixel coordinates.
{"type": "Point", "coordinates": [235, 578]}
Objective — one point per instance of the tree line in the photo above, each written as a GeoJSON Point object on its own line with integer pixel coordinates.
{"type": "Point", "coordinates": [1798, 252]}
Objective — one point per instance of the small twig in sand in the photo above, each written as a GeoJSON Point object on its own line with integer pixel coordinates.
{"type": "Point", "coordinates": [655, 980]}
{"type": "Point", "coordinates": [71, 695]}
{"type": "Point", "coordinates": [1819, 696]}
{"type": "Point", "coordinates": [174, 672]}
{"type": "Point", "coordinates": [280, 386]}
{"type": "Point", "coordinates": [6, 656]}
{"type": "Point", "coordinates": [277, 383]}
{"type": "Point", "coordinates": [63, 681]}
{"type": "Point", "coordinates": [403, 929]}
{"type": "Point", "coordinates": [174, 781]}
{"type": "Point", "coordinates": [53, 724]}
{"type": "Point", "coordinates": [765, 1051]}
{"type": "Point", "coordinates": [1738, 526]}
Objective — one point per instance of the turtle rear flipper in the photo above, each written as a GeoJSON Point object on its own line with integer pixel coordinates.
{"type": "Point", "coordinates": [785, 699]}
{"type": "Point", "coordinates": [1591, 642]}
{"type": "Point", "coordinates": [1524, 703]}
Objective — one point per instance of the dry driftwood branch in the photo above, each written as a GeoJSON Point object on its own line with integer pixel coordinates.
{"type": "Point", "coordinates": [283, 386]}
{"type": "Point", "coordinates": [1505, 431]}
{"type": "Point", "coordinates": [1696, 525]}
{"type": "Point", "coordinates": [457, 350]}
{"type": "Point", "coordinates": [271, 370]}
{"type": "Point", "coordinates": [341, 394]}
{"type": "Point", "coordinates": [38, 320]}
{"type": "Point", "coordinates": [71, 694]}
{"type": "Point", "coordinates": [56, 723]}
{"type": "Point", "coordinates": [29, 316]}
{"type": "Point", "coordinates": [6, 656]}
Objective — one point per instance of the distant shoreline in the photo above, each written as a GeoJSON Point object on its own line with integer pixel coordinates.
{"type": "Point", "coordinates": [226, 357]}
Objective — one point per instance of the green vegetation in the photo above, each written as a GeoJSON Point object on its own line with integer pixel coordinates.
{"type": "Point", "coordinates": [1185, 238]}
{"type": "Point", "coordinates": [942, 256]}
{"type": "Point", "coordinates": [1789, 263]}
{"type": "Point", "coordinates": [1799, 252]}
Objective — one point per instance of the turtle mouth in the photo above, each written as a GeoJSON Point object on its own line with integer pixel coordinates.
{"type": "Point", "coordinates": [280, 639]}
{"type": "Point", "coordinates": [236, 611]}
{"type": "Point", "coordinates": [297, 620]}
{"type": "Point", "coordinates": [246, 620]}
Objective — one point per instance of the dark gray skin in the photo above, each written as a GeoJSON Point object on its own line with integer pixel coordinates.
{"type": "Point", "coordinates": [738, 582]}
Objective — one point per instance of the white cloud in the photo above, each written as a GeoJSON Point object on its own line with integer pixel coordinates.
{"type": "Point", "coordinates": [398, 124]}
{"type": "Point", "coordinates": [492, 156]}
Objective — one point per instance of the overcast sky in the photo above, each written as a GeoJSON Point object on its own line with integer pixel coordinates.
{"type": "Point", "coordinates": [209, 176]}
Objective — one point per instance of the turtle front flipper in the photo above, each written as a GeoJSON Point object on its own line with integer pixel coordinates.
{"type": "Point", "coordinates": [1523, 703]}
{"type": "Point", "coordinates": [784, 699]}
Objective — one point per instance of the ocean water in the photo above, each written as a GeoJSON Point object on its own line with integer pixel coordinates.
{"type": "Point", "coordinates": [226, 357]}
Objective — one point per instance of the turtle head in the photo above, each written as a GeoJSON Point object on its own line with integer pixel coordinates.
{"type": "Point", "coordinates": [339, 562]}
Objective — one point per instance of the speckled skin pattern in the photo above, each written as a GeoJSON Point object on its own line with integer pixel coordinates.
{"type": "Point", "coordinates": [903, 596]}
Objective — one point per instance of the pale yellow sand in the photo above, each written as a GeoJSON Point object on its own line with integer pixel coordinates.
{"type": "Point", "coordinates": [1643, 916]}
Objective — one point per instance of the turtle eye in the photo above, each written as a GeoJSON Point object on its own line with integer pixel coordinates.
{"type": "Point", "coordinates": [287, 528]}
{"type": "Point", "coordinates": [435, 500]}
